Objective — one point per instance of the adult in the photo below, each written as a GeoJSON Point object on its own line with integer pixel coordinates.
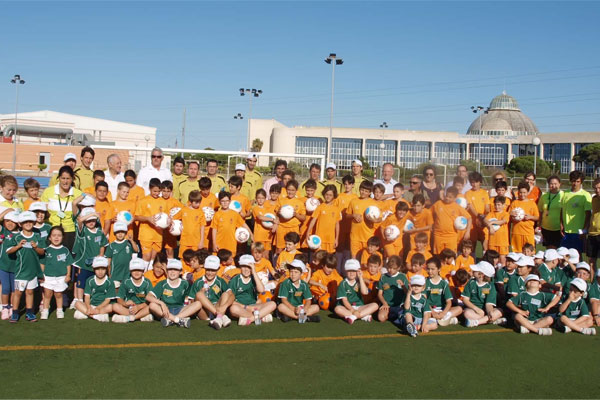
{"type": "Point", "coordinates": [60, 198]}
{"type": "Point", "coordinates": [576, 213]}
{"type": "Point", "coordinates": [550, 206]}
{"type": "Point", "coordinates": [357, 169]}
{"type": "Point", "coordinates": [178, 175]}
{"type": "Point", "coordinates": [330, 178]}
{"type": "Point", "coordinates": [593, 244]}
{"type": "Point", "coordinates": [431, 186]}
{"type": "Point", "coordinates": [251, 175]}
{"type": "Point", "coordinates": [154, 170]}
{"type": "Point", "coordinates": [499, 176]}
{"type": "Point", "coordinates": [534, 191]}
{"type": "Point", "coordinates": [280, 166]}
{"type": "Point", "coordinates": [247, 188]}
{"type": "Point", "coordinates": [463, 172]}
{"type": "Point", "coordinates": [113, 175]}
{"type": "Point", "coordinates": [387, 181]}
{"type": "Point", "coordinates": [191, 183]}
{"type": "Point", "coordinates": [314, 173]}
{"type": "Point", "coordinates": [218, 182]}
{"type": "Point", "coordinates": [415, 187]}
{"type": "Point", "coordinates": [84, 175]}
{"type": "Point", "coordinates": [69, 160]}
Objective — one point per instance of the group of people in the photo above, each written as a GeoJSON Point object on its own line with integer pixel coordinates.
{"type": "Point", "coordinates": [172, 246]}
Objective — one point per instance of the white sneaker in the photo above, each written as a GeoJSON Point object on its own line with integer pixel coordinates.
{"type": "Point", "coordinates": [72, 306]}
{"type": "Point", "coordinates": [226, 321]}
{"type": "Point", "coordinates": [101, 317]}
{"type": "Point", "coordinates": [471, 323]}
{"type": "Point", "coordinates": [367, 318]}
{"type": "Point", "coordinates": [545, 332]}
{"type": "Point", "coordinates": [120, 319]}
{"type": "Point", "coordinates": [589, 331]}
{"type": "Point", "coordinates": [44, 313]}
{"type": "Point", "coordinates": [243, 321]}
{"type": "Point", "coordinates": [500, 321]}
{"type": "Point", "coordinates": [147, 318]}
{"type": "Point", "coordinates": [566, 329]}
{"type": "Point", "coordinates": [79, 315]}
{"type": "Point", "coordinates": [453, 321]}
{"type": "Point", "coordinates": [215, 323]}
{"type": "Point", "coordinates": [267, 318]}
{"type": "Point", "coordinates": [444, 321]}
{"type": "Point", "coordinates": [523, 330]}
{"type": "Point", "coordinates": [60, 314]}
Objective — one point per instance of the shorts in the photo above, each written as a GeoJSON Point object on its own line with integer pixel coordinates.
{"type": "Point", "coordinates": [572, 240]}
{"type": "Point", "coordinates": [392, 250]}
{"type": "Point", "coordinates": [7, 279]}
{"type": "Point", "coordinates": [55, 283]}
{"type": "Point", "coordinates": [356, 246]}
{"type": "Point", "coordinates": [175, 310]}
{"type": "Point", "coordinates": [441, 242]}
{"type": "Point", "coordinates": [82, 278]}
{"type": "Point", "coordinates": [593, 246]}
{"type": "Point", "coordinates": [148, 246]}
{"type": "Point", "coordinates": [518, 241]}
{"type": "Point", "coordinates": [477, 234]}
{"type": "Point", "coordinates": [395, 313]}
{"type": "Point", "coordinates": [502, 250]}
{"type": "Point", "coordinates": [551, 238]}
{"type": "Point", "coordinates": [280, 234]}
{"type": "Point", "coordinates": [328, 247]}
{"type": "Point", "coordinates": [21, 285]}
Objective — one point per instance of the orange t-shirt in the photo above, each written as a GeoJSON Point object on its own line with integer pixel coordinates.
{"type": "Point", "coordinates": [148, 207]}
{"type": "Point", "coordinates": [342, 201]}
{"type": "Point", "coordinates": [285, 257]}
{"type": "Point", "coordinates": [92, 190]}
{"type": "Point", "coordinates": [331, 281]}
{"type": "Point", "coordinates": [524, 227]}
{"type": "Point", "coordinates": [393, 220]}
{"type": "Point", "coordinates": [228, 272]}
{"type": "Point", "coordinates": [264, 266]}
{"type": "Point", "coordinates": [479, 199]}
{"type": "Point", "coordinates": [446, 271]}
{"type": "Point", "coordinates": [292, 223]}
{"type": "Point", "coordinates": [534, 194]}
{"type": "Point", "coordinates": [226, 222]}
{"type": "Point", "coordinates": [192, 220]}
{"type": "Point", "coordinates": [213, 202]}
{"type": "Point", "coordinates": [411, 253]}
{"type": "Point", "coordinates": [364, 256]}
{"type": "Point", "coordinates": [360, 231]}
{"type": "Point", "coordinates": [28, 202]}
{"type": "Point", "coordinates": [153, 278]}
{"type": "Point", "coordinates": [444, 215]}
{"type": "Point", "coordinates": [104, 209]}
{"type": "Point", "coordinates": [136, 193]}
{"type": "Point", "coordinates": [118, 206]}
{"type": "Point", "coordinates": [327, 216]}
{"type": "Point", "coordinates": [172, 203]}
{"type": "Point", "coordinates": [371, 285]}
{"type": "Point", "coordinates": [262, 234]}
{"type": "Point", "coordinates": [410, 274]}
{"type": "Point", "coordinates": [421, 220]}
{"type": "Point", "coordinates": [500, 237]}
{"type": "Point", "coordinates": [507, 202]}
{"type": "Point", "coordinates": [464, 262]}
{"type": "Point", "coordinates": [244, 201]}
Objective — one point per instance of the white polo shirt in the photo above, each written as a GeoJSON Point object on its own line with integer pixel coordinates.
{"type": "Point", "coordinates": [113, 182]}
{"type": "Point", "coordinates": [149, 172]}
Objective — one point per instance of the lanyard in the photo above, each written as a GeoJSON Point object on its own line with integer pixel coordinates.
{"type": "Point", "coordinates": [551, 199]}
{"type": "Point", "coordinates": [61, 210]}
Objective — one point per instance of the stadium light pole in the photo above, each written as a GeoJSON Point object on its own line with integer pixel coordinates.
{"type": "Point", "coordinates": [383, 126]}
{"type": "Point", "coordinates": [478, 110]}
{"type": "Point", "coordinates": [251, 94]}
{"type": "Point", "coordinates": [17, 81]}
{"type": "Point", "coordinates": [333, 60]}
{"type": "Point", "coordinates": [240, 117]}
{"type": "Point", "coordinates": [536, 142]}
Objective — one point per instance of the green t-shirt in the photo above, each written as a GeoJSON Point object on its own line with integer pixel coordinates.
{"type": "Point", "coordinates": [245, 292]}
{"type": "Point", "coordinates": [214, 289]}
{"type": "Point", "coordinates": [480, 295]}
{"type": "Point", "coordinates": [574, 207]}
{"type": "Point", "coordinates": [120, 255]}
{"type": "Point", "coordinates": [550, 206]}
{"type": "Point", "coordinates": [56, 260]}
{"type": "Point", "coordinates": [99, 291]}
{"type": "Point", "coordinates": [418, 306]}
{"type": "Point", "coordinates": [502, 275]}
{"type": "Point", "coordinates": [136, 293]}
{"type": "Point", "coordinates": [564, 275]}
{"type": "Point", "coordinates": [516, 285]}
{"type": "Point", "coordinates": [548, 275]}
{"type": "Point", "coordinates": [295, 294]}
{"type": "Point", "coordinates": [438, 293]}
{"type": "Point", "coordinates": [44, 231]}
{"type": "Point", "coordinates": [27, 263]}
{"type": "Point", "coordinates": [576, 309]}
{"type": "Point", "coordinates": [594, 293]}
{"type": "Point", "coordinates": [393, 293]}
{"type": "Point", "coordinates": [172, 296]}
{"type": "Point", "coordinates": [351, 292]}
{"type": "Point", "coordinates": [567, 288]}
{"type": "Point", "coordinates": [7, 262]}
{"type": "Point", "coordinates": [532, 302]}
{"type": "Point", "coordinates": [87, 246]}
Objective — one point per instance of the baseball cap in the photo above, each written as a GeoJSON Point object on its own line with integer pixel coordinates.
{"type": "Point", "coordinates": [526, 260]}
{"type": "Point", "coordinates": [173, 263]}
{"type": "Point", "coordinates": [539, 254]}
{"type": "Point", "coordinates": [240, 167]}
{"type": "Point", "coordinates": [551, 255]}
{"type": "Point", "coordinates": [12, 216]}
{"type": "Point", "coordinates": [562, 251]}
{"type": "Point", "coordinates": [70, 156]}
{"type": "Point", "coordinates": [330, 165]}
{"type": "Point", "coordinates": [514, 256]}
{"type": "Point", "coordinates": [137, 264]}
{"type": "Point", "coordinates": [352, 265]}
{"type": "Point", "coordinates": [212, 262]}
{"type": "Point", "coordinates": [532, 277]}
{"type": "Point", "coordinates": [120, 227]}
{"type": "Point", "coordinates": [27, 216]}
{"type": "Point", "coordinates": [246, 260]}
{"type": "Point", "coordinates": [100, 262]}
{"type": "Point", "coordinates": [357, 161]}
{"type": "Point", "coordinates": [38, 206]}
{"type": "Point", "coordinates": [298, 264]}
{"type": "Point", "coordinates": [485, 268]}
{"type": "Point", "coordinates": [87, 212]}
{"type": "Point", "coordinates": [583, 265]}
{"type": "Point", "coordinates": [417, 280]}
{"type": "Point", "coordinates": [251, 155]}
{"type": "Point", "coordinates": [573, 256]}
{"type": "Point", "coordinates": [579, 284]}
{"type": "Point", "coordinates": [87, 201]}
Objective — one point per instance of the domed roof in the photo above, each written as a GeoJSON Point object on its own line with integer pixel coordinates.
{"type": "Point", "coordinates": [503, 118]}
{"type": "Point", "coordinates": [504, 102]}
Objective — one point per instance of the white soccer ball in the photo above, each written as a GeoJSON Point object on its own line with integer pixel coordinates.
{"type": "Point", "coordinates": [537, 238]}
{"type": "Point", "coordinates": [209, 213]}
{"type": "Point", "coordinates": [286, 212]}
{"type": "Point", "coordinates": [372, 213]}
{"type": "Point", "coordinates": [174, 211]}
{"type": "Point", "coordinates": [460, 223]}
{"type": "Point", "coordinates": [162, 220]}
{"type": "Point", "coordinates": [386, 214]}
{"type": "Point", "coordinates": [314, 242]}
{"type": "Point", "coordinates": [494, 227]}
{"type": "Point", "coordinates": [268, 224]}
{"type": "Point", "coordinates": [391, 233]}
{"type": "Point", "coordinates": [312, 204]}
{"type": "Point", "coordinates": [409, 225]}
{"type": "Point", "coordinates": [461, 201]}
{"type": "Point", "coordinates": [236, 206]}
{"type": "Point", "coordinates": [242, 235]}
{"type": "Point", "coordinates": [125, 217]}
{"type": "Point", "coordinates": [518, 214]}
{"type": "Point", "coordinates": [176, 227]}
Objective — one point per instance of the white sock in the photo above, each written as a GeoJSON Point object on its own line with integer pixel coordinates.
{"type": "Point", "coordinates": [176, 320]}
{"type": "Point", "coordinates": [131, 318]}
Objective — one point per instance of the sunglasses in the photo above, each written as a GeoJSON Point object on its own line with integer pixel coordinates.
{"type": "Point", "coordinates": [498, 179]}
{"type": "Point", "coordinates": [414, 183]}
{"type": "Point", "coordinates": [157, 156]}
{"type": "Point", "coordinates": [430, 174]}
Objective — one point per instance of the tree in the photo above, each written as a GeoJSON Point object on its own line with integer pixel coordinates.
{"type": "Point", "coordinates": [521, 165]}
{"type": "Point", "coordinates": [589, 154]}
{"type": "Point", "coordinates": [257, 145]}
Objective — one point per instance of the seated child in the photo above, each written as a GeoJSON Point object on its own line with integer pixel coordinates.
{"type": "Point", "coordinates": [373, 248]}
{"type": "Point", "coordinates": [292, 240]}
{"type": "Point", "coordinates": [548, 272]}
{"type": "Point", "coordinates": [324, 282]}
{"type": "Point", "coordinates": [350, 305]}
{"type": "Point", "coordinates": [479, 297]}
{"type": "Point", "coordinates": [575, 314]}
{"type": "Point", "coordinates": [131, 298]}
{"type": "Point", "coordinates": [191, 265]}
{"type": "Point", "coordinates": [594, 298]}
{"type": "Point", "coordinates": [503, 276]}
{"type": "Point", "coordinates": [417, 311]}
{"type": "Point", "coordinates": [416, 266]}
{"type": "Point", "coordinates": [439, 295]}
{"type": "Point", "coordinates": [264, 268]}
{"type": "Point", "coordinates": [448, 264]}
{"type": "Point", "coordinates": [391, 291]}
{"type": "Point", "coordinates": [460, 281]}
{"type": "Point", "coordinates": [465, 259]}
{"type": "Point", "coordinates": [228, 269]}
{"type": "Point", "coordinates": [295, 297]}
{"type": "Point", "coordinates": [99, 291]}
{"type": "Point", "coordinates": [371, 276]}
{"type": "Point", "coordinates": [531, 308]}
{"type": "Point", "coordinates": [158, 271]}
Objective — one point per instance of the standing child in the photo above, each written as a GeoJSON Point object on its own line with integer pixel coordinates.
{"type": "Point", "coordinates": [194, 224]}
{"type": "Point", "coordinates": [32, 188]}
{"type": "Point", "coordinates": [439, 295]}
{"type": "Point", "coordinates": [103, 206]}
{"type": "Point", "coordinates": [575, 314]}
{"type": "Point", "coordinates": [391, 291]}
{"type": "Point", "coordinates": [295, 297]}
{"type": "Point", "coordinates": [123, 202]}
{"type": "Point", "coordinates": [343, 200]}
{"type": "Point", "coordinates": [10, 228]}
{"type": "Point", "coordinates": [478, 206]}
{"type": "Point", "coordinates": [172, 207]}
{"type": "Point", "coordinates": [150, 235]}
{"type": "Point", "coordinates": [136, 193]}
{"type": "Point", "coordinates": [445, 212]}
{"type": "Point", "coordinates": [119, 254]}
{"type": "Point", "coordinates": [531, 308]}
{"type": "Point", "coordinates": [394, 247]}
{"type": "Point", "coordinates": [496, 223]}
{"type": "Point", "coordinates": [262, 234]}
{"type": "Point", "coordinates": [361, 228]}
{"type": "Point", "coordinates": [350, 304]}
{"type": "Point", "coordinates": [325, 281]}
{"type": "Point", "coordinates": [325, 221]}
{"type": "Point", "coordinates": [56, 265]}
{"type": "Point", "coordinates": [291, 240]}
{"type": "Point", "coordinates": [131, 299]}
{"type": "Point", "coordinates": [224, 224]}
{"type": "Point", "coordinates": [479, 297]}
{"type": "Point", "coordinates": [292, 224]}
{"type": "Point", "coordinates": [420, 247]}
{"type": "Point", "coordinates": [516, 283]}
{"type": "Point", "coordinates": [417, 309]}
{"type": "Point", "coordinates": [235, 186]}
{"type": "Point", "coordinates": [41, 213]}
{"type": "Point", "coordinates": [422, 219]}
{"type": "Point", "coordinates": [524, 214]}
{"type": "Point", "coordinates": [99, 292]}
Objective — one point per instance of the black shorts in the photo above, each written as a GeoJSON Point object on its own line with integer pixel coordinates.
{"type": "Point", "coordinates": [593, 246]}
{"type": "Point", "coordinates": [551, 238]}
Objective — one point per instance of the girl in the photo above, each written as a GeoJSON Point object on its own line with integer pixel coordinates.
{"type": "Point", "coordinates": [158, 271]}
{"type": "Point", "coordinates": [422, 219]}
{"type": "Point", "coordinates": [439, 295]}
{"type": "Point", "coordinates": [530, 308]}
{"type": "Point", "coordinates": [41, 212]}
{"type": "Point", "coordinates": [8, 190]}
{"type": "Point", "coordinates": [9, 229]}
{"type": "Point", "coordinates": [56, 266]}
{"type": "Point", "coordinates": [479, 297]}
{"type": "Point", "coordinates": [99, 292]}
{"type": "Point", "coordinates": [417, 310]}
{"type": "Point", "coordinates": [516, 284]}
{"type": "Point", "coordinates": [261, 233]}
{"type": "Point", "coordinates": [326, 220]}
{"type": "Point", "coordinates": [131, 299]}
{"type": "Point", "coordinates": [350, 305]}
{"type": "Point", "coordinates": [391, 290]}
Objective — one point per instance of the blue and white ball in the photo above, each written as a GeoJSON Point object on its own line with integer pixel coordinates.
{"type": "Point", "coordinates": [391, 233]}
{"type": "Point", "coordinates": [242, 235]}
{"type": "Point", "coordinates": [268, 224]}
{"type": "Point", "coordinates": [236, 206]}
{"type": "Point", "coordinates": [125, 217]}
{"type": "Point", "coordinates": [461, 201]}
{"type": "Point", "coordinates": [372, 213]}
{"type": "Point", "coordinates": [494, 226]}
{"type": "Point", "coordinates": [409, 225]}
{"type": "Point", "coordinates": [286, 212]}
{"type": "Point", "coordinates": [460, 223]}
{"type": "Point", "coordinates": [314, 242]}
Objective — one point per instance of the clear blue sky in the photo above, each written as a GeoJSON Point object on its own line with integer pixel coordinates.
{"type": "Point", "coordinates": [413, 65]}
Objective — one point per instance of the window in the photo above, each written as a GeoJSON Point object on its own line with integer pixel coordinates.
{"type": "Point", "coordinates": [343, 151]}
{"type": "Point", "coordinates": [450, 153]}
{"type": "Point", "coordinates": [311, 145]}
{"type": "Point", "coordinates": [561, 153]}
{"type": "Point", "coordinates": [492, 154]}
{"type": "Point", "coordinates": [375, 155]}
{"type": "Point", "coordinates": [588, 169]}
{"type": "Point", "coordinates": [413, 153]}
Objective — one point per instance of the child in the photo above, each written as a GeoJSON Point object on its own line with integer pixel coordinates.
{"type": "Point", "coordinates": [422, 219]}
{"type": "Point", "coordinates": [10, 228]}
{"type": "Point", "coordinates": [373, 248]}
{"type": "Point", "coordinates": [24, 246]}
{"type": "Point", "coordinates": [496, 223]}
{"type": "Point", "coordinates": [98, 176]}
{"type": "Point", "coordinates": [131, 299]}
{"type": "Point", "coordinates": [8, 191]}
{"type": "Point", "coordinates": [391, 291]}
{"type": "Point", "coordinates": [417, 310]}
{"type": "Point", "coordinates": [529, 251]}
{"type": "Point", "coordinates": [361, 229]}
{"type": "Point", "coordinates": [119, 254]}
{"type": "Point", "coordinates": [398, 192]}
{"type": "Point", "coordinates": [478, 205]}
{"type": "Point", "coordinates": [263, 266]}
{"type": "Point", "coordinates": [166, 300]}
{"type": "Point", "coordinates": [245, 288]}
{"type": "Point", "coordinates": [32, 188]}
{"type": "Point", "coordinates": [448, 265]}
{"type": "Point", "coordinates": [539, 258]}
{"type": "Point", "coordinates": [209, 204]}
{"type": "Point", "coordinates": [99, 291]}
{"type": "Point", "coordinates": [492, 257]}
{"type": "Point", "coordinates": [172, 207]}
{"type": "Point", "coordinates": [295, 297]}
{"type": "Point", "coordinates": [343, 200]}
{"type": "Point", "coordinates": [523, 229]}
{"type": "Point", "coordinates": [150, 235]}
{"type": "Point", "coordinates": [516, 284]}
{"type": "Point", "coordinates": [158, 272]}
{"type": "Point", "coordinates": [371, 275]}
{"type": "Point", "coordinates": [287, 256]}
{"type": "Point", "coordinates": [190, 265]}
{"type": "Point", "coordinates": [325, 281]}
{"type": "Point", "coordinates": [194, 222]}
{"type": "Point", "coordinates": [445, 212]}
{"type": "Point", "coordinates": [501, 191]}
{"type": "Point", "coordinates": [594, 298]}
{"type": "Point", "coordinates": [399, 218]}
{"type": "Point", "coordinates": [465, 259]}
{"type": "Point", "coordinates": [235, 185]}
{"type": "Point", "coordinates": [224, 224]}
{"type": "Point", "coordinates": [325, 221]}
{"type": "Point", "coordinates": [416, 266]}
{"type": "Point", "coordinates": [123, 202]}
{"type": "Point", "coordinates": [439, 295]}
{"type": "Point", "coordinates": [41, 213]}
{"type": "Point", "coordinates": [531, 308]}
{"type": "Point", "coordinates": [136, 193]}
{"type": "Point", "coordinates": [420, 247]}
{"type": "Point", "coordinates": [259, 210]}
{"type": "Point", "coordinates": [479, 297]}
{"type": "Point", "coordinates": [503, 276]}
{"type": "Point", "coordinates": [350, 305]}
{"type": "Point", "coordinates": [575, 315]}
{"type": "Point", "coordinates": [213, 294]}
{"type": "Point", "coordinates": [103, 206]}
{"type": "Point", "coordinates": [293, 224]}
{"type": "Point", "coordinates": [548, 275]}
{"type": "Point", "coordinates": [461, 278]}
{"type": "Point", "coordinates": [56, 265]}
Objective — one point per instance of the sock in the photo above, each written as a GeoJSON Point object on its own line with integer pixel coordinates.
{"type": "Point", "coordinates": [176, 320]}
{"type": "Point", "coordinates": [219, 315]}
{"type": "Point", "coordinates": [131, 318]}
{"type": "Point", "coordinates": [29, 310]}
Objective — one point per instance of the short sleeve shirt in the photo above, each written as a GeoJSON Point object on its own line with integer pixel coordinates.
{"type": "Point", "coordinates": [56, 260]}
{"type": "Point", "coordinates": [120, 254]}
{"type": "Point", "coordinates": [99, 291]}
{"type": "Point", "coordinates": [27, 263]}
{"type": "Point", "coordinates": [532, 303]}
{"type": "Point", "coordinates": [172, 296]}
{"type": "Point", "coordinates": [393, 292]}
{"type": "Point", "coordinates": [295, 294]}
{"type": "Point", "coordinates": [419, 306]}
{"type": "Point", "coordinates": [550, 206]}
{"type": "Point", "coordinates": [244, 291]}
{"type": "Point", "coordinates": [136, 293]}
{"type": "Point", "coordinates": [87, 246]}
{"type": "Point", "coordinates": [438, 293]}
{"type": "Point", "coordinates": [351, 292]}
{"type": "Point", "coordinates": [574, 207]}
{"type": "Point", "coordinates": [213, 290]}
{"type": "Point", "coordinates": [480, 295]}
{"type": "Point", "coordinates": [576, 309]}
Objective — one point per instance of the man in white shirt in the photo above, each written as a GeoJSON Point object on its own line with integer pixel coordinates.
{"type": "Point", "coordinates": [461, 171]}
{"type": "Point", "coordinates": [154, 170]}
{"type": "Point", "coordinates": [113, 175]}
{"type": "Point", "coordinates": [387, 181]}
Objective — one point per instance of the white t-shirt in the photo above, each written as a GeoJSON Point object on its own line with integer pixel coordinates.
{"type": "Point", "coordinates": [389, 187]}
{"type": "Point", "coordinates": [113, 182]}
{"type": "Point", "coordinates": [149, 172]}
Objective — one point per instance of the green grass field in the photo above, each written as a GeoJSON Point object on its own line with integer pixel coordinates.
{"type": "Point", "coordinates": [323, 361]}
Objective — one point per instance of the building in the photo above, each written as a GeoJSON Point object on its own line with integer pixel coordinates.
{"type": "Point", "coordinates": [497, 135]}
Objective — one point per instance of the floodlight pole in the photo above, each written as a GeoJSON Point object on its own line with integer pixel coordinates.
{"type": "Point", "coordinates": [251, 93]}
{"type": "Point", "coordinates": [17, 81]}
{"type": "Point", "coordinates": [333, 60]}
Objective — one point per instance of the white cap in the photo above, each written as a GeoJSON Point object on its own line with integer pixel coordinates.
{"type": "Point", "coordinates": [27, 216]}
{"type": "Point", "coordinates": [251, 155]}
{"type": "Point", "coordinates": [87, 212]}
{"type": "Point", "coordinates": [70, 156]}
{"type": "Point", "coordinates": [330, 165]}
{"type": "Point", "coordinates": [526, 260]}
{"type": "Point", "coordinates": [137, 264]}
{"type": "Point", "coordinates": [514, 256]}
{"type": "Point", "coordinates": [87, 201]}
{"type": "Point", "coordinates": [246, 260]}
{"type": "Point", "coordinates": [120, 227]}
{"type": "Point", "coordinates": [352, 265]}
{"type": "Point", "coordinates": [212, 262]}
{"type": "Point", "coordinates": [532, 277]}
{"type": "Point", "coordinates": [298, 264]}
{"type": "Point", "coordinates": [579, 284]}
{"type": "Point", "coordinates": [562, 251]}
{"type": "Point", "coordinates": [418, 280]}
{"type": "Point", "coordinates": [485, 268]}
{"type": "Point", "coordinates": [573, 256]}
{"type": "Point", "coordinates": [539, 254]}
{"type": "Point", "coordinates": [583, 265]}
{"type": "Point", "coordinates": [551, 255]}
{"type": "Point", "coordinates": [100, 262]}
{"type": "Point", "coordinates": [357, 161]}
{"type": "Point", "coordinates": [38, 206]}
{"type": "Point", "coordinates": [173, 263]}
{"type": "Point", "coordinates": [240, 167]}
{"type": "Point", "coordinates": [14, 217]}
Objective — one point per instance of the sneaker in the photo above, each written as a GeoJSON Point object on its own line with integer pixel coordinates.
{"type": "Point", "coordinates": [166, 322]}
{"type": "Point", "coordinates": [120, 319]}
{"type": "Point", "coordinates": [226, 321]}
{"type": "Point", "coordinates": [72, 306]}
{"type": "Point", "coordinates": [566, 329]}
{"type": "Point", "coordinates": [284, 318]}
{"type": "Point", "coordinates": [101, 317]}
{"type": "Point", "coordinates": [60, 314]}
{"type": "Point", "coordinates": [443, 322]}
{"type": "Point", "coordinates": [350, 319]}
{"type": "Point", "coordinates": [313, 318]}
{"type": "Point", "coordinates": [245, 321]}
{"type": "Point", "coordinates": [14, 317]}
{"type": "Point", "coordinates": [589, 331]}
{"type": "Point", "coordinates": [544, 331]}
{"type": "Point", "coordinates": [367, 318]}
{"type": "Point", "coordinates": [453, 321]}
{"type": "Point", "coordinates": [500, 321]}
{"type": "Point", "coordinates": [44, 313]}
{"type": "Point", "coordinates": [471, 323]}
{"type": "Point", "coordinates": [147, 318]}
{"type": "Point", "coordinates": [185, 322]}
{"type": "Point", "coordinates": [267, 318]}
{"type": "Point", "coordinates": [79, 315]}
{"type": "Point", "coordinates": [411, 330]}
{"type": "Point", "coordinates": [30, 317]}
{"type": "Point", "coordinates": [5, 314]}
{"type": "Point", "coordinates": [523, 330]}
{"type": "Point", "coordinates": [215, 323]}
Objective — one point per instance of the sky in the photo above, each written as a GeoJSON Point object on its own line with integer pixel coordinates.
{"type": "Point", "coordinates": [414, 65]}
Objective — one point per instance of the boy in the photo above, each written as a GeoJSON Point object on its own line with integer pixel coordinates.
{"type": "Point", "coordinates": [122, 203]}
{"type": "Point", "coordinates": [263, 266]}
{"type": "Point", "coordinates": [575, 314]}
{"type": "Point", "coordinates": [99, 291]}
{"type": "Point", "coordinates": [228, 269]}
{"type": "Point", "coordinates": [324, 282]}
{"type": "Point", "coordinates": [224, 224]}
{"type": "Point", "coordinates": [287, 256]}
{"type": "Point", "coordinates": [445, 212]}
{"type": "Point", "coordinates": [447, 265]}
{"type": "Point", "coordinates": [150, 235]}
{"type": "Point", "coordinates": [465, 259]}
{"type": "Point", "coordinates": [548, 272]}
{"type": "Point", "coordinates": [531, 308]}
{"type": "Point", "coordinates": [295, 297]}
{"type": "Point", "coordinates": [32, 188]}
{"type": "Point", "coordinates": [119, 254]}
{"type": "Point", "coordinates": [421, 242]}
{"type": "Point", "coordinates": [479, 297]}
{"type": "Point", "coordinates": [391, 292]}
{"type": "Point", "coordinates": [398, 219]}
{"type": "Point", "coordinates": [497, 224]}
{"type": "Point", "coordinates": [235, 186]}
{"type": "Point", "coordinates": [503, 276]}
{"type": "Point", "coordinates": [158, 271]}
{"type": "Point", "coordinates": [172, 207]}
{"type": "Point", "coordinates": [209, 203]}
{"type": "Point", "coordinates": [310, 187]}
{"type": "Point", "coordinates": [523, 228]}
{"type": "Point", "coordinates": [325, 220]}
{"type": "Point", "coordinates": [501, 189]}
{"type": "Point", "coordinates": [397, 198]}
{"type": "Point", "coordinates": [416, 265]}
{"type": "Point", "coordinates": [190, 265]}
{"type": "Point", "coordinates": [371, 275]}
{"type": "Point", "coordinates": [373, 248]}
{"type": "Point", "coordinates": [194, 223]}
{"type": "Point", "coordinates": [292, 224]}
{"type": "Point", "coordinates": [361, 229]}
{"type": "Point", "coordinates": [478, 205]}
{"type": "Point", "coordinates": [131, 299]}
{"type": "Point", "coordinates": [417, 311]}
{"type": "Point", "coordinates": [103, 207]}
{"type": "Point", "coordinates": [98, 176]}
{"type": "Point", "coordinates": [350, 305]}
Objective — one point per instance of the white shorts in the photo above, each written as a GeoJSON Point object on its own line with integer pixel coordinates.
{"type": "Point", "coordinates": [55, 283]}
{"type": "Point", "coordinates": [21, 284]}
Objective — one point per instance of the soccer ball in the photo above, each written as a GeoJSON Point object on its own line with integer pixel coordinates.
{"type": "Point", "coordinates": [518, 214]}
{"type": "Point", "coordinates": [409, 225]}
{"type": "Point", "coordinates": [461, 201]}
{"type": "Point", "coordinates": [242, 235]}
{"type": "Point", "coordinates": [391, 233]}
{"type": "Point", "coordinates": [386, 214]}
{"type": "Point", "coordinates": [286, 212]}
{"type": "Point", "coordinates": [162, 220]}
{"type": "Point", "coordinates": [268, 224]}
{"type": "Point", "coordinates": [125, 217]}
{"type": "Point", "coordinates": [494, 227]}
{"type": "Point", "coordinates": [236, 206]}
{"type": "Point", "coordinates": [324, 301]}
{"type": "Point", "coordinates": [312, 204]}
{"type": "Point", "coordinates": [460, 223]}
{"type": "Point", "coordinates": [314, 242]}
{"type": "Point", "coordinates": [209, 213]}
{"type": "Point", "coordinates": [174, 211]}
{"type": "Point", "coordinates": [537, 238]}
{"type": "Point", "coordinates": [176, 227]}
{"type": "Point", "coordinates": [264, 297]}
{"type": "Point", "coordinates": [372, 213]}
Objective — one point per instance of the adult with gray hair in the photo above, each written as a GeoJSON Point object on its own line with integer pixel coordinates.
{"type": "Point", "coordinates": [154, 170]}
{"type": "Point", "coordinates": [113, 175]}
